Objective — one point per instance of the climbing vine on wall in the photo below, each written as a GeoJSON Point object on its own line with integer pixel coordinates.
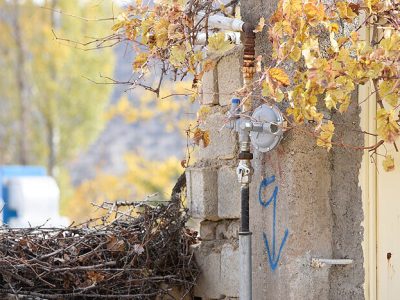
{"type": "Point", "coordinates": [166, 38]}
{"type": "Point", "coordinates": [321, 39]}
{"type": "Point", "coordinates": [332, 72]}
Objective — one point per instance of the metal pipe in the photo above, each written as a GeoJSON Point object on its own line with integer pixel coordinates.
{"type": "Point", "coordinates": [245, 285]}
{"type": "Point", "coordinates": [231, 36]}
{"type": "Point", "coordinates": [221, 22]}
{"type": "Point", "coordinates": [321, 262]}
{"type": "Point", "coordinates": [244, 172]}
{"type": "Point", "coordinates": [244, 195]}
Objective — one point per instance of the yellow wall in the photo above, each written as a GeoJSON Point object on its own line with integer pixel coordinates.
{"type": "Point", "coordinates": [368, 185]}
{"type": "Point", "coordinates": [381, 205]}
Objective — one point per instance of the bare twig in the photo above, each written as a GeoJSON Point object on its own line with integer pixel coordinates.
{"type": "Point", "coordinates": [130, 257]}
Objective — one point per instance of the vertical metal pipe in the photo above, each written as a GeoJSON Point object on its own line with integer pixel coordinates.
{"type": "Point", "coordinates": [245, 223]}
{"type": "Point", "coordinates": [245, 157]}
{"type": "Point", "coordinates": [245, 285]}
{"type": "Point", "coordinates": [245, 246]}
{"type": "Point", "coordinates": [245, 170]}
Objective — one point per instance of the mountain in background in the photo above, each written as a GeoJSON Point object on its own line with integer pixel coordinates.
{"type": "Point", "coordinates": [147, 138]}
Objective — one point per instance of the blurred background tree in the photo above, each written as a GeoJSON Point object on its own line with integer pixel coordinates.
{"type": "Point", "coordinates": [100, 141]}
{"type": "Point", "coordinates": [53, 109]}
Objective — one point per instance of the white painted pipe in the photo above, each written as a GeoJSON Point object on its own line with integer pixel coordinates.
{"type": "Point", "coordinates": [221, 22]}
{"type": "Point", "coordinates": [245, 282]}
{"type": "Point", "coordinates": [320, 262]}
{"type": "Point", "coordinates": [233, 37]}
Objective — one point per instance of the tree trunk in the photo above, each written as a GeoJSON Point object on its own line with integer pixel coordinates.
{"type": "Point", "coordinates": [52, 139]}
{"type": "Point", "coordinates": [22, 90]}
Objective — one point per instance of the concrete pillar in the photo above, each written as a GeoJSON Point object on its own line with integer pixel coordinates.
{"type": "Point", "coordinates": [347, 232]}
{"type": "Point", "coordinates": [304, 201]}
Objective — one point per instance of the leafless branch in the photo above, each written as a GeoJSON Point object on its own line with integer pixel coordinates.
{"type": "Point", "coordinates": [133, 256]}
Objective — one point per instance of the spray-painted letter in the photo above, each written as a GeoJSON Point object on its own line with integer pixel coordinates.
{"type": "Point", "coordinates": [273, 257]}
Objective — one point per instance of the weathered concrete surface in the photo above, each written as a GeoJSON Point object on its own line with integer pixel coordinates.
{"type": "Point", "coordinates": [346, 204]}
{"type": "Point", "coordinates": [229, 76]}
{"type": "Point", "coordinates": [319, 202]}
{"type": "Point", "coordinates": [208, 259]}
{"type": "Point", "coordinates": [227, 229]}
{"type": "Point", "coordinates": [230, 269]}
{"type": "Point", "coordinates": [202, 193]}
{"type": "Point", "coordinates": [302, 175]}
{"type": "Point", "coordinates": [219, 230]}
{"type": "Point", "coordinates": [228, 196]}
{"type": "Point", "coordinates": [223, 142]}
{"type": "Point", "coordinates": [209, 88]}
{"type": "Point", "coordinates": [302, 179]}
{"type": "Point", "coordinates": [213, 193]}
{"type": "Point", "coordinates": [220, 261]}
{"type": "Point", "coordinates": [208, 230]}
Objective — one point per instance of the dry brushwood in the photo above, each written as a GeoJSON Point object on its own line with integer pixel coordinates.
{"type": "Point", "coordinates": [140, 254]}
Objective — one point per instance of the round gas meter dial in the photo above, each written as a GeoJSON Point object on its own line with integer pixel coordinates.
{"type": "Point", "coordinates": [272, 120]}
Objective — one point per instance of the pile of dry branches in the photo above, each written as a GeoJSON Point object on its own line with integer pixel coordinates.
{"type": "Point", "coordinates": [134, 251]}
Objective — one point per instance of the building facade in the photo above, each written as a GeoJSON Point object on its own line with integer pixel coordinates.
{"type": "Point", "coordinates": [324, 223]}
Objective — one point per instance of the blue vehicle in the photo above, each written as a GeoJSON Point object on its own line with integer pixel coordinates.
{"type": "Point", "coordinates": [28, 197]}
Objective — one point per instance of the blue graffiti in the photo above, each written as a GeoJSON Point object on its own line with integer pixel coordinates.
{"type": "Point", "coordinates": [273, 257]}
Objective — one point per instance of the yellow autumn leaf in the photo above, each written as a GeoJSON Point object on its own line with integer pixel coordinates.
{"type": "Point", "coordinates": [388, 90]}
{"type": "Point", "coordinates": [310, 113]}
{"type": "Point", "coordinates": [203, 112]}
{"type": "Point", "coordinates": [295, 54]}
{"type": "Point", "coordinates": [279, 95]}
{"type": "Point", "coordinates": [177, 55]}
{"type": "Point", "coordinates": [345, 84]}
{"type": "Point", "coordinates": [201, 135]}
{"type": "Point", "coordinates": [344, 105]}
{"type": "Point", "coordinates": [315, 13]}
{"type": "Point", "coordinates": [326, 134]}
{"type": "Point", "coordinates": [387, 127]}
{"type": "Point", "coordinates": [354, 36]}
{"type": "Point", "coordinates": [281, 28]}
{"type": "Point", "coordinates": [140, 60]}
{"type": "Point", "coordinates": [345, 12]}
{"type": "Point", "coordinates": [296, 113]}
{"type": "Point", "coordinates": [266, 89]}
{"type": "Point", "coordinates": [310, 47]}
{"type": "Point", "coordinates": [260, 25]}
{"type": "Point", "coordinates": [388, 163]}
{"type": "Point", "coordinates": [193, 97]}
{"type": "Point", "coordinates": [280, 76]}
{"type": "Point", "coordinates": [292, 8]}
{"type": "Point", "coordinates": [311, 100]}
{"type": "Point", "coordinates": [175, 32]}
{"type": "Point", "coordinates": [218, 44]}
{"type": "Point", "coordinates": [161, 32]}
{"type": "Point", "coordinates": [310, 9]}
{"type": "Point", "coordinates": [118, 26]}
{"type": "Point", "coordinates": [391, 43]}
{"type": "Point", "coordinates": [334, 27]}
{"type": "Point", "coordinates": [206, 139]}
{"type": "Point", "coordinates": [330, 102]}
{"type": "Point", "coordinates": [371, 4]}
{"type": "Point", "coordinates": [122, 21]}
